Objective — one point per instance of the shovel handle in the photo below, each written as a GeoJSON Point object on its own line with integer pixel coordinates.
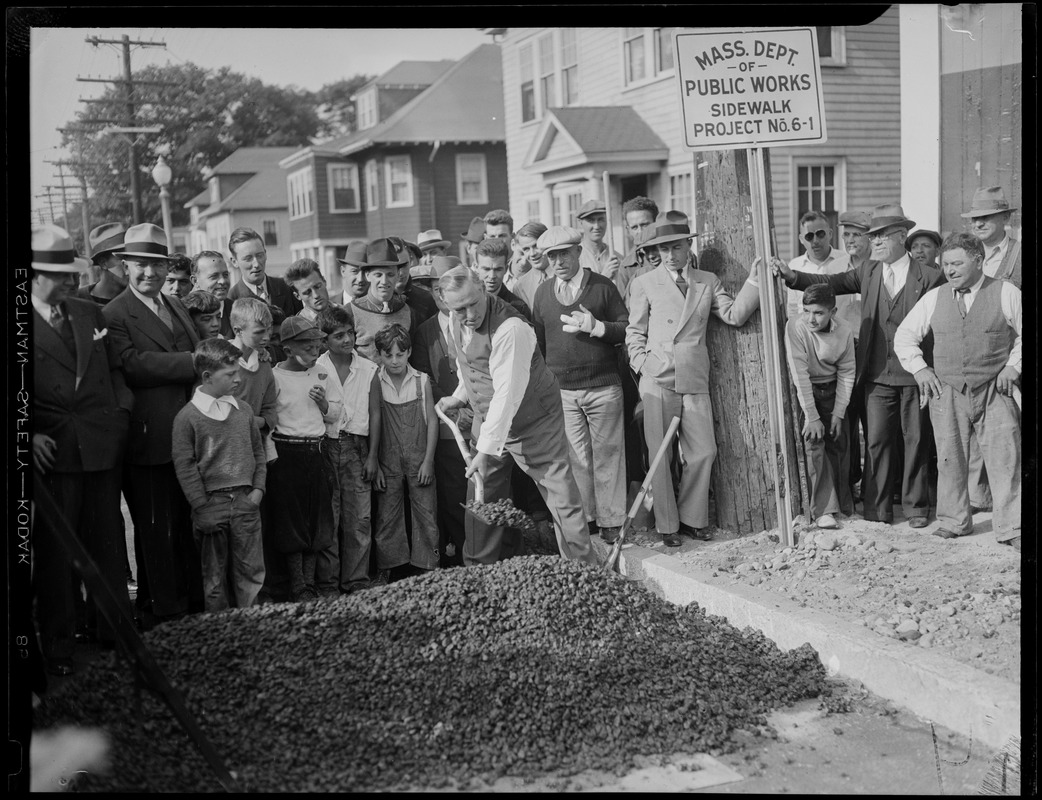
{"type": "Point", "coordinates": [479, 487]}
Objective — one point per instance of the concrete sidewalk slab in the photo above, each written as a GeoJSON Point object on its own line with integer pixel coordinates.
{"type": "Point", "coordinates": [935, 687]}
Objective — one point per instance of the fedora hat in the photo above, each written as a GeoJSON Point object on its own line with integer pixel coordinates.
{"type": "Point", "coordinates": [144, 241]}
{"type": "Point", "coordinates": [355, 255]}
{"type": "Point", "coordinates": [986, 202]}
{"type": "Point", "coordinates": [590, 207]}
{"type": "Point", "coordinates": [431, 238]}
{"type": "Point", "coordinates": [381, 253]}
{"type": "Point", "coordinates": [889, 215]}
{"type": "Point", "coordinates": [674, 216]}
{"type": "Point", "coordinates": [401, 248]}
{"type": "Point", "coordinates": [476, 232]}
{"type": "Point", "coordinates": [668, 232]}
{"type": "Point", "coordinates": [855, 219]}
{"type": "Point", "coordinates": [53, 251]}
{"type": "Point", "coordinates": [106, 238]}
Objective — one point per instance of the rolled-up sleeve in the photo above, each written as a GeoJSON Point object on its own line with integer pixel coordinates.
{"type": "Point", "coordinates": [509, 364]}
{"type": "Point", "coordinates": [911, 332]}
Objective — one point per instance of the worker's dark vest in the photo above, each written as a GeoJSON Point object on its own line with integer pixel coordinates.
{"type": "Point", "coordinates": [972, 351]}
{"type": "Point", "coordinates": [883, 366]}
{"type": "Point", "coordinates": [476, 375]}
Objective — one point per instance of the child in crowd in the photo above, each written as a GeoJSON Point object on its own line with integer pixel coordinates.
{"type": "Point", "coordinates": [219, 459]}
{"type": "Point", "coordinates": [820, 349]}
{"type": "Point", "coordinates": [299, 507]}
{"type": "Point", "coordinates": [350, 450]}
{"type": "Point", "coordinates": [408, 438]}
{"type": "Point", "coordinates": [205, 311]}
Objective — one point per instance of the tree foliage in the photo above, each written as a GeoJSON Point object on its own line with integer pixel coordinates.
{"type": "Point", "coordinates": [205, 116]}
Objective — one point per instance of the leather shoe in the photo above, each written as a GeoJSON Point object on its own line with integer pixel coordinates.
{"type": "Point", "coordinates": [671, 539]}
{"type": "Point", "coordinates": [917, 522]}
{"type": "Point", "coordinates": [610, 534]}
{"type": "Point", "coordinates": [704, 534]}
{"type": "Point", "coordinates": [1014, 543]}
{"type": "Point", "coordinates": [944, 533]}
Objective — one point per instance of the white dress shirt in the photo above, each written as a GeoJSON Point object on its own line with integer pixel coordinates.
{"type": "Point", "coordinates": [900, 270]}
{"type": "Point", "coordinates": [217, 408]}
{"type": "Point", "coordinates": [150, 302]}
{"type": "Point", "coordinates": [509, 363]}
{"type": "Point", "coordinates": [917, 324]}
{"type": "Point", "coordinates": [993, 256]}
{"type": "Point", "coordinates": [848, 306]}
{"type": "Point", "coordinates": [256, 289]}
{"type": "Point", "coordinates": [352, 394]}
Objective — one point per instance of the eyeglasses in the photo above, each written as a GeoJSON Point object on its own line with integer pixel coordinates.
{"type": "Point", "coordinates": [879, 236]}
{"type": "Point", "coordinates": [810, 236]}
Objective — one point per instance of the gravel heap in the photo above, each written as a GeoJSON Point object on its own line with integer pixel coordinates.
{"type": "Point", "coordinates": [526, 667]}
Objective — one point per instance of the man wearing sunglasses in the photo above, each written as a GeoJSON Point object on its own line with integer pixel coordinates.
{"type": "Point", "coordinates": [821, 258]}
{"type": "Point", "coordinates": [891, 284]}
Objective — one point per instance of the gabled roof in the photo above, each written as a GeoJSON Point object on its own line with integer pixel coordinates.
{"type": "Point", "coordinates": [252, 159]}
{"type": "Point", "coordinates": [412, 73]}
{"type": "Point", "coordinates": [463, 105]}
{"type": "Point", "coordinates": [582, 134]}
{"type": "Point", "coordinates": [200, 199]}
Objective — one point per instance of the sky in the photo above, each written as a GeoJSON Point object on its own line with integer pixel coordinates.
{"type": "Point", "coordinates": [306, 58]}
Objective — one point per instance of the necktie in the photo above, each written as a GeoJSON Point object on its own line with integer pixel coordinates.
{"type": "Point", "coordinates": [681, 283]}
{"type": "Point", "coordinates": [164, 314]}
{"type": "Point", "coordinates": [960, 299]}
{"type": "Point", "coordinates": [387, 307]}
{"type": "Point", "coordinates": [262, 292]}
{"type": "Point", "coordinates": [566, 293]}
{"type": "Point", "coordinates": [891, 280]}
{"type": "Point", "coordinates": [56, 319]}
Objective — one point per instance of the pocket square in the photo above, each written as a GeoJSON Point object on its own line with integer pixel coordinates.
{"type": "Point", "coordinates": [100, 334]}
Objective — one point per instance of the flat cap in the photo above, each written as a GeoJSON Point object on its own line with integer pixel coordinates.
{"type": "Point", "coordinates": [558, 238]}
{"type": "Point", "coordinates": [476, 232]}
{"type": "Point", "coordinates": [590, 207]}
{"type": "Point", "coordinates": [855, 219]}
{"type": "Point", "coordinates": [296, 327]}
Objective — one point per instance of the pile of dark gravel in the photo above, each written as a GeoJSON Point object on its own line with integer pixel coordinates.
{"type": "Point", "coordinates": [526, 667]}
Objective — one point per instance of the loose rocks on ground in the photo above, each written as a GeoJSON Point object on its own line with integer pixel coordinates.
{"type": "Point", "coordinates": [530, 666]}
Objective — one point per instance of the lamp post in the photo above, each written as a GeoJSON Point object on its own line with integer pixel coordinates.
{"type": "Point", "coordinates": [162, 174]}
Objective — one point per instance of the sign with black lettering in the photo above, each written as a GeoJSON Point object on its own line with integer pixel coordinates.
{"type": "Point", "coordinates": [754, 87]}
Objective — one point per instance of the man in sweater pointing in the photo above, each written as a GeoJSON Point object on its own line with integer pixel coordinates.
{"type": "Point", "coordinates": [579, 319]}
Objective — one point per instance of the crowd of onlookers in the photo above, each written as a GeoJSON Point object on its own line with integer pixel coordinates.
{"type": "Point", "coordinates": [274, 443]}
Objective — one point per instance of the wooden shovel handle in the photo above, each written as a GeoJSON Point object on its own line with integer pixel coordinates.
{"type": "Point", "coordinates": [479, 487]}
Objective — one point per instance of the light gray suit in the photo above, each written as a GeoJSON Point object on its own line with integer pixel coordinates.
{"type": "Point", "coordinates": [665, 339]}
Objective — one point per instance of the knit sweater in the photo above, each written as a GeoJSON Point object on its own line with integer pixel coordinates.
{"type": "Point", "coordinates": [580, 360]}
{"type": "Point", "coordinates": [820, 357]}
{"type": "Point", "coordinates": [210, 455]}
{"type": "Point", "coordinates": [258, 390]}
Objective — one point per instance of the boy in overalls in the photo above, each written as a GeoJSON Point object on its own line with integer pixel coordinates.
{"type": "Point", "coordinates": [408, 438]}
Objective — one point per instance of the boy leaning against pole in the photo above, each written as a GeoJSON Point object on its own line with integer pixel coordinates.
{"type": "Point", "coordinates": [820, 349]}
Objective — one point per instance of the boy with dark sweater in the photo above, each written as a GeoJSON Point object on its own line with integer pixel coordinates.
{"type": "Point", "coordinates": [219, 459]}
{"type": "Point", "coordinates": [579, 318]}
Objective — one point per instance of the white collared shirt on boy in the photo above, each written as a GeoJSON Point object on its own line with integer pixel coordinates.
{"type": "Point", "coordinates": [353, 394]}
{"type": "Point", "coordinates": [217, 408]}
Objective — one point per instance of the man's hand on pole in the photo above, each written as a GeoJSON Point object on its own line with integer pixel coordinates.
{"type": "Point", "coordinates": [448, 402]}
{"type": "Point", "coordinates": [779, 267]}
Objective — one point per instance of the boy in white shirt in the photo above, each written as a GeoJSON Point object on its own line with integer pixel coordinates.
{"type": "Point", "coordinates": [301, 514]}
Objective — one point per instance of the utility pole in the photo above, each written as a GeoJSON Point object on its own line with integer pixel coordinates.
{"type": "Point", "coordinates": [50, 203]}
{"type": "Point", "coordinates": [130, 120]}
{"type": "Point", "coordinates": [65, 203]}
{"type": "Point", "coordinates": [79, 172]}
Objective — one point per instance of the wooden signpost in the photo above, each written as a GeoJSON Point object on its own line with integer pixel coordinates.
{"type": "Point", "coordinates": [752, 88]}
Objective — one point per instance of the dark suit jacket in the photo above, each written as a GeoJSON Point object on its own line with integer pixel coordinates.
{"type": "Point", "coordinates": [519, 305]}
{"type": "Point", "coordinates": [280, 292]}
{"type": "Point", "coordinates": [868, 281]}
{"type": "Point", "coordinates": [226, 318]}
{"type": "Point", "coordinates": [160, 376]}
{"type": "Point", "coordinates": [82, 403]}
{"type": "Point", "coordinates": [421, 301]}
{"type": "Point", "coordinates": [430, 354]}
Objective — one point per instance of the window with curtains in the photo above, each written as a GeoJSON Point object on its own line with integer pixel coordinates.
{"type": "Point", "coordinates": [399, 181]}
{"type": "Point", "coordinates": [301, 186]}
{"type": "Point", "coordinates": [471, 179]}
{"type": "Point", "coordinates": [343, 188]}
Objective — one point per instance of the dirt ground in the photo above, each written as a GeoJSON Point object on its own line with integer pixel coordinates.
{"type": "Point", "coordinates": [960, 597]}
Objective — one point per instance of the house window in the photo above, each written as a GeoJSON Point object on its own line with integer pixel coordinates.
{"type": "Point", "coordinates": [301, 186]}
{"type": "Point", "coordinates": [471, 179]}
{"type": "Point", "coordinates": [343, 188]}
{"type": "Point", "coordinates": [271, 234]}
{"type": "Point", "coordinates": [569, 67]}
{"type": "Point", "coordinates": [682, 194]}
{"type": "Point", "coordinates": [532, 209]}
{"type": "Point", "coordinates": [399, 181]}
{"type": "Point", "coordinates": [832, 45]}
{"type": "Point", "coordinates": [527, 84]}
{"type": "Point", "coordinates": [367, 109]}
{"type": "Point", "coordinates": [647, 53]}
{"type": "Point", "coordinates": [546, 71]}
{"type": "Point", "coordinates": [567, 201]}
{"type": "Point", "coordinates": [819, 187]}
{"type": "Point", "coordinates": [372, 185]}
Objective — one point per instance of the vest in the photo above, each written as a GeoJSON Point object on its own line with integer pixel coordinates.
{"type": "Point", "coordinates": [1009, 268]}
{"type": "Point", "coordinates": [476, 375]}
{"type": "Point", "coordinates": [971, 352]}
{"type": "Point", "coordinates": [369, 323]}
{"type": "Point", "coordinates": [882, 364]}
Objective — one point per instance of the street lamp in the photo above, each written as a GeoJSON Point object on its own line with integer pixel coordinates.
{"type": "Point", "coordinates": [162, 174]}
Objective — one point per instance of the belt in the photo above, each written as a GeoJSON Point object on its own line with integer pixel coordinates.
{"type": "Point", "coordinates": [232, 490]}
{"type": "Point", "coordinates": [346, 435]}
{"type": "Point", "coordinates": [278, 437]}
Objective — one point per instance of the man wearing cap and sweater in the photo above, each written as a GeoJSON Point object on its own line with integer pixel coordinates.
{"type": "Point", "coordinates": [250, 257]}
{"type": "Point", "coordinates": [517, 411]}
{"type": "Point", "coordinates": [382, 306]}
{"type": "Point", "coordinates": [81, 415]}
{"type": "Point", "coordinates": [976, 322]}
{"type": "Point", "coordinates": [989, 214]}
{"type": "Point", "coordinates": [105, 240]}
{"type": "Point", "coordinates": [666, 340]}
{"type": "Point", "coordinates": [434, 353]}
{"type": "Point", "coordinates": [890, 285]}
{"type": "Point", "coordinates": [579, 318]}
{"type": "Point", "coordinates": [155, 338]}
{"type": "Point", "coordinates": [596, 256]}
